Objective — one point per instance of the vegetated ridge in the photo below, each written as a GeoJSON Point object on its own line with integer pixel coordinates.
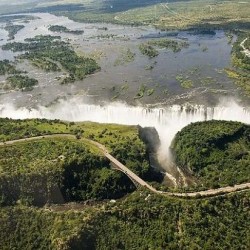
{"type": "Point", "coordinates": [168, 222]}
{"type": "Point", "coordinates": [216, 152]}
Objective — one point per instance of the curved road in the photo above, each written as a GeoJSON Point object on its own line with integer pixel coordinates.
{"type": "Point", "coordinates": [118, 165]}
{"type": "Point", "coordinates": [245, 50]}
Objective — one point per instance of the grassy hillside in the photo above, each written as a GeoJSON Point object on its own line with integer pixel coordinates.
{"type": "Point", "coordinates": [171, 14]}
{"type": "Point", "coordinates": [217, 152]}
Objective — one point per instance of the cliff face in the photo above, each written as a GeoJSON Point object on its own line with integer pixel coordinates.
{"type": "Point", "coordinates": [172, 176]}
{"type": "Point", "coordinates": [150, 137]}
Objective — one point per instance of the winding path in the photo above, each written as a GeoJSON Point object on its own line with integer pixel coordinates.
{"type": "Point", "coordinates": [135, 178]}
{"type": "Point", "coordinates": [245, 50]}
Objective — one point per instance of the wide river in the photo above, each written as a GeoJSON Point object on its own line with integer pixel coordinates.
{"type": "Point", "coordinates": [202, 63]}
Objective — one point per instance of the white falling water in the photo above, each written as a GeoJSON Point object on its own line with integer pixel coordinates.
{"type": "Point", "coordinates": [168, 121]}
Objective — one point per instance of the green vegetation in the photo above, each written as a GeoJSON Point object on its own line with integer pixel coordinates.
{"type": "Point", "coordinates": [187, 84]}
{"type": "Point", "coordinates": [208, 80]}
{"type": "Point", "coordinates": [241, 61]}
{"type": "Point", "coordinates": [164, 223]}
{"type": "Point", "coordinates": [13, 29]}
{"type": "Point", "coordinates": [217, 152]}
{"type": "Point", "coordinates": [60, 28]}
{"type": "Point", "coordinates": [46, 64]}
{"type": "Point", "coordinates": [148, 50]}
{"type": "Point", "coordinates": [89, 17]}
{"type": "Point", "coordinates": [165, 43]}
{"type": "Point", "coordinates": [173, 15]}
{"type": "Point", "coordinates": [67, 169]}
{"type": "Point", "coordinates": [184, 81]}
{"type": "Point", "coordinates": [44, 229]}
{"type": "Point", "coordinates": [21, 82]}
{"type": "Point", "coordinates": [62, 169]}
{"type": "Point", "coordinates": [104, 37]}
{"type": "Point", "coordinates": [190, 14]}
{"type": "Point", "coordinates": [69, 172]}
{"type": "Point", "coordinates": [119, 91]}
{"type": "Point", "coordinates": [136, 222]}
{"type": "Point", "coordinates": [241, 78]}
{"type": "Point", "coordinates": [6, 67]}
{"type": "Point", "coordinates": [48, 52]}
{"type": "Point", "coordinates": [150, 92]}
{"type": "Point", "coordinates": [23, 18]}
{"type": "Point", "coordinates": [141, 92]}
{"type": "Point", "coordinates": [15, 80]}
{"type": "Point", "coordinates": [230, 37]}
{"type": "Point", "coordinates": [17, 129]}
{"type": "Point", "coordinates": [143, 89]}
{"type": "Point", "coordinates": [125, 57]}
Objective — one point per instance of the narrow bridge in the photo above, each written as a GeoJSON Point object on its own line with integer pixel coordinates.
{"type": "Point", "coordinates": [119, 166]}
{"type": "Point", "coordinates": [135, 178]}
{"type": "Point", "coordinates": [140, 182]}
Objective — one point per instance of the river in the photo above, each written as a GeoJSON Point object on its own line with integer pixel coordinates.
{"type": "Point", "coordinates": [202, 63]}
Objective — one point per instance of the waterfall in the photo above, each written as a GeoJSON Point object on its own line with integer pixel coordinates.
{"type": "Point", "coordinates": [168, 120]}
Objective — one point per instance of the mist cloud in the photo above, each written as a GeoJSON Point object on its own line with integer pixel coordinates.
{"type": "Point", "coordinates": [167, 121]}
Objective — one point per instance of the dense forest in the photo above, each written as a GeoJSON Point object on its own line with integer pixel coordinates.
{"type": "Point", "coordinates": [57, 192]}
{"type": "Point", "coordinates": [139, 221]}
{"type": "Point", "coordinates": [55, 171]}
{"type": "Point", "coordinates": [216, 152]}
{"type": "Point", "coordinates": [66, 169]}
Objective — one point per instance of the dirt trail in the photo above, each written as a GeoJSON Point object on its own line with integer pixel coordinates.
{"type": "Point", "coordinates": [245, 50]}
